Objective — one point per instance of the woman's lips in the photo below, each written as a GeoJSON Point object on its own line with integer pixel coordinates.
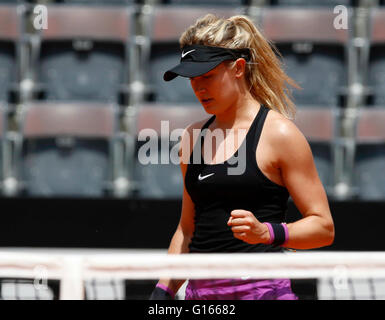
{"type": "Point", "coordinates": [206, 100]}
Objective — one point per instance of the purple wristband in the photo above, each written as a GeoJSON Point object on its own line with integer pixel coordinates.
{"type": "Point", "coordinates": [286, 233]}
{"type": "Point", "coordinates": [167, 289]}
{"type": "Point", "coordinates": [282, 231]}
{"type": "Point", "coordinates": [271, 232]}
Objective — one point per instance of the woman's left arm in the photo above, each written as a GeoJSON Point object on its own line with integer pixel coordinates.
{"type": "Point", "coordinates": [299, 174]}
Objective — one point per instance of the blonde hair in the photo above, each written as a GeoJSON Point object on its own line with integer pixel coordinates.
{"type": "Point", "coordinates": [268, 82]}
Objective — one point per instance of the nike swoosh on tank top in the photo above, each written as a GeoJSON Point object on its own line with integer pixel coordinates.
{"type": "Point", "coordinates": [217, 195]}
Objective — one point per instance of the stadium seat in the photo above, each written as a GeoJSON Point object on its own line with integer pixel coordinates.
{"type": "Point", "coordinates": [3, 132]}
{"type": "Point", "coordinates": [168, 23]}
{"type": "Point", "coordinates": [310, 2]}
{"type": "Point", "coordinates": [207, 2]}
{"type": "Point", "coordinates": [83, 55]}
{"type": "Point", "coordinates": [377, 58]}
{"type": "Point", "coordinates": [317, 125]}
{"type": "Point", "coordinates": [66, 149]}
{"type": "Point", "coordinates": [313, 52]}
{"type": "Point", "coordinates": [161, 180]}
{"type": "Point", "coordinates": [96, 2]}
{"type": "Point", "coordinates": [164, 57]}
{"type": "Point", "coordinates": [9, 36]}
{"type": "Point", "coordinates": [369, 170]}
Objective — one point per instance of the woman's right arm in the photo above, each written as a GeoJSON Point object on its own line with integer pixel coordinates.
{"type": "Point", "coordinates": [180, 240]}
{"type": "Point", "coordinates": [184, 231]}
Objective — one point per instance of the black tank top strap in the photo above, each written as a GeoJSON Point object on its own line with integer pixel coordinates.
{"type": "Point", "coordinates": [204, 128]}
{"type": "Point", "coordinates": [256, 130]}
{"type": "Point", "coordinates": [201, 139]}
{"type": "Point", "coordinates": [208, 122]}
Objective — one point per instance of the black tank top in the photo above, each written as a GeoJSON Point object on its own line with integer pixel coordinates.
{"type": "Point", "coordinates": [215, 194]}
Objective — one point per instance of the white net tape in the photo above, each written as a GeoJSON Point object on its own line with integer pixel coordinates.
{"type": "Point", "coordinates": [340, 275]}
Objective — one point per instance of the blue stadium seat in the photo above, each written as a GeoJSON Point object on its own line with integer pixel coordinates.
{"type": "Point", "coordinates": [3, 132]}
{"type": "Point", "coordinates": [96, 2]}
{"type": "Point", "coordinates": [82, 59]}
{"type": "Point", "coordinates": [377, 74]}
{"type": "Point", "coordinates": [377, 58]}
{"type": "Point", "coordinates": [8, 67]}
{"type": "Point", "coordinates": [10, 1]}
{"type": "Point", "coordinates": [313, 52]}
{"type": "Point", "coordinates": [168, 23]}
{"type": "Point", "coordinates": [158, 180]}
{"type": "Point", "coordinates": [9, 35]}
{"type": "Point", "coordinates": [369, 172]}
{"type": "Point", "coordinates": [164, 57]}
{"type": "Point", "coordinates": [317, 124]}
{"type": "Point", "coordinates": [310, 2]}
{"type": "Point", "coordinates": [207, 2]}
{"type": "Point", "coordinates": [66, 149]}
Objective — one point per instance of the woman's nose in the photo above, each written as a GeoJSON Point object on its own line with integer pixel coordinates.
{"type": "Point", "coordinates": [199, 86]}
{"type": "Point", "coordinates": [201, 89]}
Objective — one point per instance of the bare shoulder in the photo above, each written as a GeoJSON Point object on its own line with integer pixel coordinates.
{"type": "Point", "coordinates": [281, 130]}
{"type": "Point", "coordinates": [289, 145]}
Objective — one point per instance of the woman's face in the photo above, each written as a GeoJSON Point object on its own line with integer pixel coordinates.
{"type": "Point", "coordinates": [217, 89]}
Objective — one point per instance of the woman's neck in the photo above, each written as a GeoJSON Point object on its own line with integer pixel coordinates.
{"type": "Point", "coordinates": [238, 115]}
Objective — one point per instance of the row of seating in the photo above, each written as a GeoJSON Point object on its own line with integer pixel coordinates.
{"type": "Point", "coordinates": [78, 66]}
{"type": "Point", "coordinates": [208, 2]}
{"type": "Point", "coordinates": [77, 58]}
{"type": "Point", "coordinates": [199, 2]}
{"type": "Point", "coordinates": [70, 149]}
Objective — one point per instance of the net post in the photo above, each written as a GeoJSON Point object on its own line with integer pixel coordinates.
{"type": "Point", "coordinates": [71, 285]}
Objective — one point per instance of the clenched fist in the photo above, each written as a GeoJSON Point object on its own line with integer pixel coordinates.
{"type": "Point", "coordinates": [246, 227]}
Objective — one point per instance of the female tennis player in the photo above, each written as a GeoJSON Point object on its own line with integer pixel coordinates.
{"type": "Point", "coordinates": [239, 81]}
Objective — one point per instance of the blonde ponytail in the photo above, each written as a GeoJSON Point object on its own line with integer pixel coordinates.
{"type": "Point", "coordinates": [268, 82]}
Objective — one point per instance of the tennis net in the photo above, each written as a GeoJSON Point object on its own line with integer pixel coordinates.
{"type": "Point", "coordinates": [130, 275]}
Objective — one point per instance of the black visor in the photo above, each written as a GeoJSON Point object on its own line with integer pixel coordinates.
{"type": "Point", "coordinates": [198, 59]}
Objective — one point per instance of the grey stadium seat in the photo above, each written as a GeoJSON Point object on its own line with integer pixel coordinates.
{"type": "Point", "coordinates": [327, 3]}
{"type": "Point", "coordinates": [317, 125]}
{"type": "Point", "coordinates": [369, 170]}
{"type": "Point", "coordinates": [66, 149]}
{"type": "Point", "coordinates": [207, 2]}
{"type": "Point", "coordinates": [3, 130]}
{"type": "Point", "coordinates": [96, 2]}
{"type": "Point", "coordinates": [377, 58]}
{"type": "Point", "coordinates": [162, 181]}
{"type": "Point", "coordinates": [313, 52]}
{"type": "Point", "coordinates": [180, 90]}
{"type": "Point", "coordinates": [82, 58]}
{"type": "Point", "coordinates": [377, 74]}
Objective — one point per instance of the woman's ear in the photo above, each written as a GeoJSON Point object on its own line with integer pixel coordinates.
{"type": "Point", "coordinates": [240, 65]}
